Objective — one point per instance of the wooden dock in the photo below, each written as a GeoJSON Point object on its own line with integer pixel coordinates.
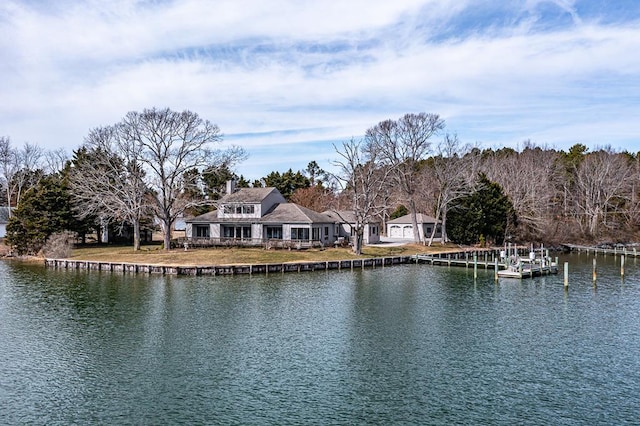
{"type": "Point", "coordinates": [615, 251]}
{"type": "Point", "coordinates": [528, 270]}
{"type": "Point", "coordinates": [460, 259]}
{"type": "Point", "coordinates": [514, 265]}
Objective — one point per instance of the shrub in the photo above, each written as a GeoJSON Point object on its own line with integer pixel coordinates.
{"type": "Point", "coordinates": [58, 245]}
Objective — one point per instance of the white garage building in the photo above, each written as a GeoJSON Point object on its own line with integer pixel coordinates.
{"type": "Point", "coordinates": [402, 228]}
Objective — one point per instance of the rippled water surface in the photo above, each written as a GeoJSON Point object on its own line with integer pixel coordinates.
{"type": "Point", "coordinates": [411, 344]}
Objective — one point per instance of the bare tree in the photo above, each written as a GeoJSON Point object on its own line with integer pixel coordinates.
{"type": "Point", "coordinates": [108, 180]}
{"type": "Point", "coordinates": [55, 160]}
{"type": "Point", "coordinates": [530, 179]}
{"type": "Point", "coordinates": [364, 180]}
{"type": "Point", "coordinates": [8, 166]}
{"type": "Point", "coordinates": [316, 197]}
{"type": "Point", "coordinates": [401, 145]}
{"type": "Point", "coordinates": [602, 188]}
{"type": "Point", "coordinates": [169, 144]}
{"type": "Point", "coordinates": [451, 175]}
{"type": "Point", "coordinates": [19, 168]}
{"type": "Point", "coordinates": [632, 213]}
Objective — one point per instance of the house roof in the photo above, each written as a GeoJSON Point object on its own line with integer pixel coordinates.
{"type": "Point", "coordinates": [293, 213]}
{"type": "Point", "coordinates": [249, 195]}
{"type": "Point", "coordinates": [344, 216]}
{"type": "Point", "coordinates": [406, 219]}
{"type": "Point", "coordinates": [279, 213]}
{"type": "Point", "coordinates": [206, 217]}
{"type": "Point", "coordinates": [4, 214]}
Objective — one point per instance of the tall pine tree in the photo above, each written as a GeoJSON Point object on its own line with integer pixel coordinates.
{"type": "Point", "coordinates": [486, 215]}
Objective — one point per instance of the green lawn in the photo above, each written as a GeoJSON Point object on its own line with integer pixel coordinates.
{"type": "Point", "coordinates": [153, 254]}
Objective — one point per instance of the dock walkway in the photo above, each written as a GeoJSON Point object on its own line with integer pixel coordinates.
{"type": "Point", "coordinates": [616, 251]}
{"type": "Point", "coordinates": [515, 265]}
{"type": "Point", "coordinates": [461, 259]}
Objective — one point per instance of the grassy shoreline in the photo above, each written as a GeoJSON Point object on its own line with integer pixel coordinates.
{"type": "Point", "coordinates": [154, 255]}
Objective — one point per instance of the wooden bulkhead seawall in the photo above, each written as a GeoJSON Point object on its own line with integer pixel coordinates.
{"type": "Point", "coordinates": [484, 258]}
{"type": "Point", "coordinates": [240, 269]}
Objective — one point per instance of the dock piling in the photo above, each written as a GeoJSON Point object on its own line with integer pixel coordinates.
{"type": "Point", "coordinates": [475, 266]}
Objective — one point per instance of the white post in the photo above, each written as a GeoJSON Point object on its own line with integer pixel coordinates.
{"type": "Point", "coordinates": [475, 266]}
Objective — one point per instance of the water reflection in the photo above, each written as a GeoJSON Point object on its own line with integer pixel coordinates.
{"type": "Point", "coordinates": [408, 344]}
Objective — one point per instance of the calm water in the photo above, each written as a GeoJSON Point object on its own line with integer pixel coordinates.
{"type": "Point", "coordinates": [403, 345]}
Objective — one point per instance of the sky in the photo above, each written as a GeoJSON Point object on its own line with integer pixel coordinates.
{"type": "Point", "coordinates": [288, 80]}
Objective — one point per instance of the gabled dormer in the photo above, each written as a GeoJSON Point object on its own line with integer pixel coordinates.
{"type": "Point", "coordinates": [247, 203]}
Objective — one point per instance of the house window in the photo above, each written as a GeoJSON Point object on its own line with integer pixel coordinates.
{"type": "Point", "coordinates": [316, 234]}
{"type": "Point", "coordinates": [300, 234]}
{"type": "Point", "coordinates": [274, 232]}
{"type": "Point", "coordinates": [228, 231]}
{"type": "Point", "coordinates": [239, 209]}
{"type": "Point", "coordinates": [202, 231]}
{"type": "Point", "coordinates": [237, 232]}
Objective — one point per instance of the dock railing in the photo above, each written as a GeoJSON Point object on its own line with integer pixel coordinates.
{"type": "Point", "coordinates": [518, 262]}
{"type": "Point", "coordinates": [615, 250]}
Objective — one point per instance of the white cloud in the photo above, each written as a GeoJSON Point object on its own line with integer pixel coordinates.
{"type": "Point", "coordinates": [283, 73]}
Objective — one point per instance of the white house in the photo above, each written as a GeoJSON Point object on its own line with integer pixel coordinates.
{"type": "Point", "coordinates": [256, 216]}
{"type": "Point", "coordinates": [402, 228]}
{"type": "Point", "coordinates": [4, 219]}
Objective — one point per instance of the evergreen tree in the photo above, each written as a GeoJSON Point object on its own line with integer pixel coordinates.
{"type": "Point", "coordinates": [316, 174]}
{"type": "Point", "coordinates": [485, 215]}
{"type": "Point", "coordinates": [400, 211]}
{"type": "Point", "coordinates": [43, 210]}
{"type": "Point", "coordinates": [287, 182]}
{"type": "Point", "coordinates": [215, 181]}
{"type": "Point", "coordinates": [242, 182]}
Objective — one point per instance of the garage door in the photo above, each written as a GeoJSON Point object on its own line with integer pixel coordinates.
{"type": "Point", "coordinates": [395, 231]}
{"type": "Point", "coordinates": [407, 232]}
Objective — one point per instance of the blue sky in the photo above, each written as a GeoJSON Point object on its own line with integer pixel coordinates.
{"type": "Point", "coordinates": [287, 79]}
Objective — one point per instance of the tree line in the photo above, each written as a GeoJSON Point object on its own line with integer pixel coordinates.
{"type": "Point", "coordinates": [157, 165]}
{"type": "Point", "coordinates": [490, 196]}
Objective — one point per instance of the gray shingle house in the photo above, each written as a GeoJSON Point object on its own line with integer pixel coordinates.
{"type": "Point", "coordinates": [261, 216]}
{"type": "Point", "coordinates": [346, 220]}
